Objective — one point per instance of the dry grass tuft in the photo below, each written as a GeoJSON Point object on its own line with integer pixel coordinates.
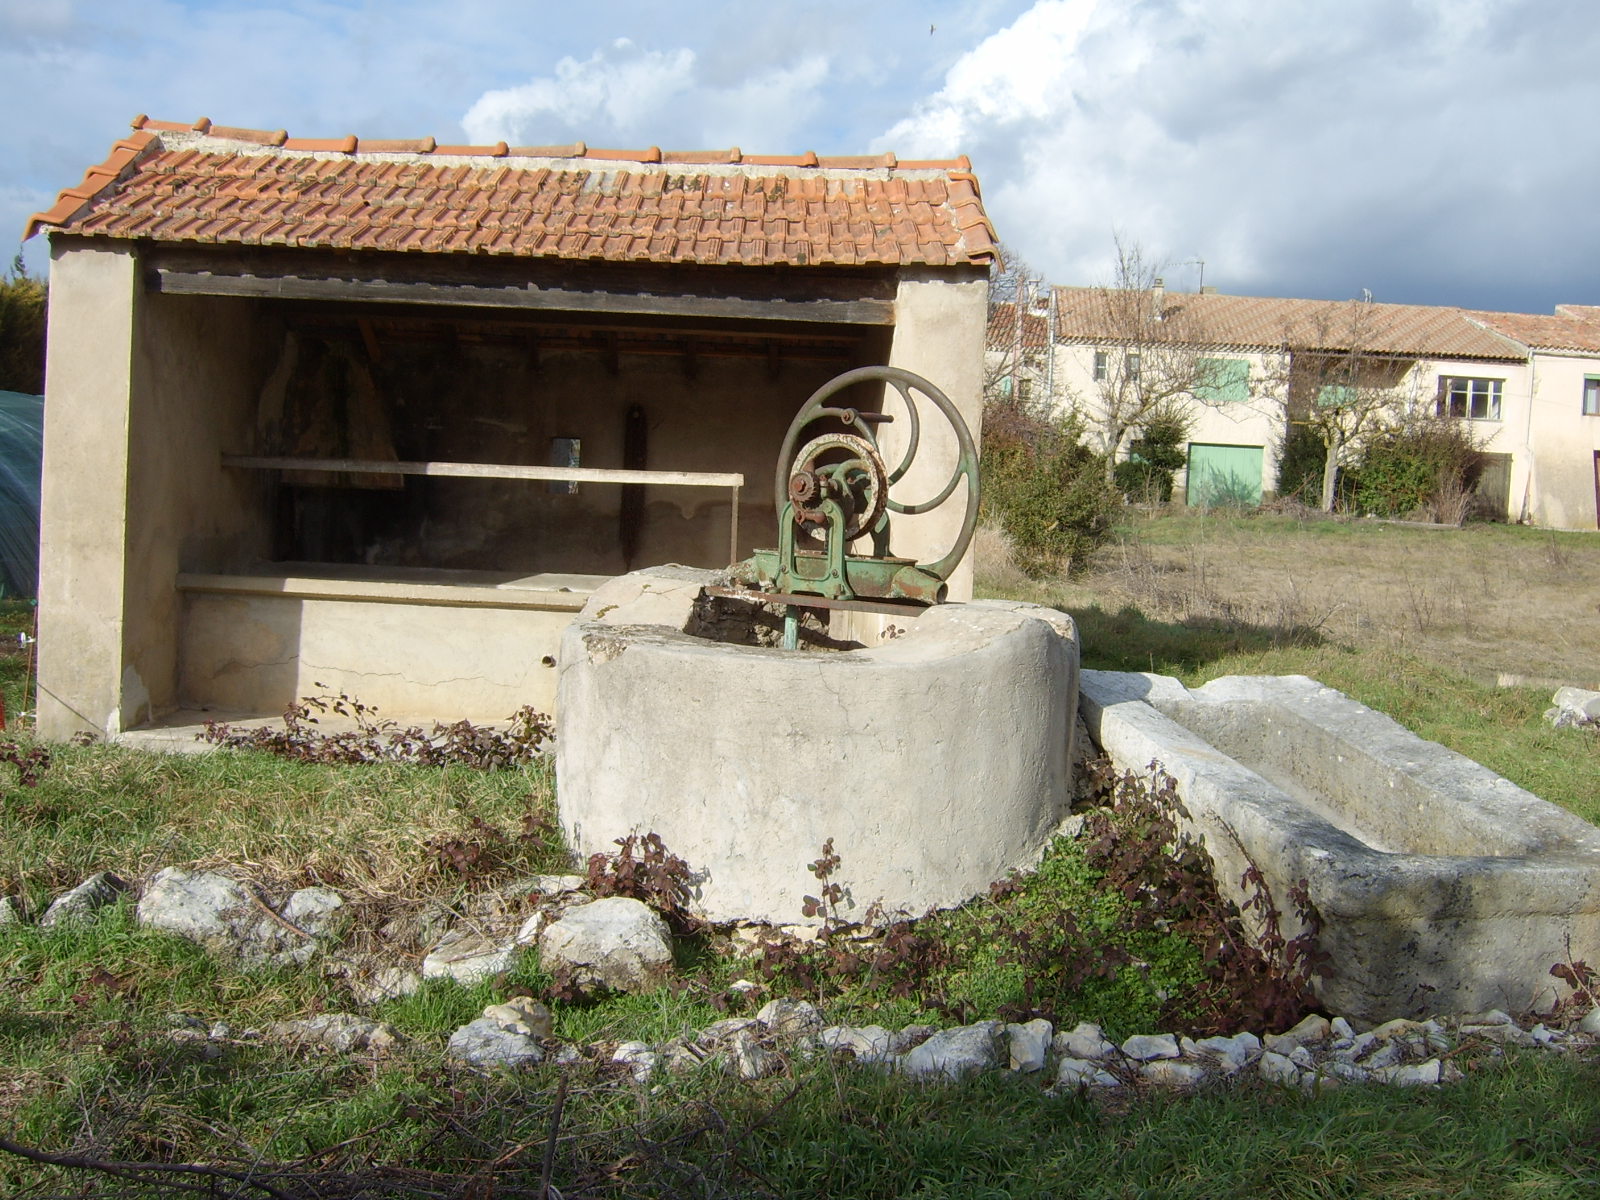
{"type": "Point", "coordinates": [1483, 599]}
{"type": "Point", "coordinates": [371, 831]}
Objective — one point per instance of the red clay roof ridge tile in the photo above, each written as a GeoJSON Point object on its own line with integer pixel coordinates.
{"type": "Point", "coordinates": [578, 150]}
{"type": "Point", "coordinates": [102, 177]}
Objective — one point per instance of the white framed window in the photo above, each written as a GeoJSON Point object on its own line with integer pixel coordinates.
{"type": "Point", "coordinates": [1133, 366]}
{"type": "Point", "coordinates": [1468, 398]}
{"type": "Point", "coordinates": [1591, 395]}
{"type": "Point", "coordinates": [1102, 365]}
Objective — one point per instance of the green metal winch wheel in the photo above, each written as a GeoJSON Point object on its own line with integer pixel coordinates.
{"type": "Point", "coordinates": [838, 485]}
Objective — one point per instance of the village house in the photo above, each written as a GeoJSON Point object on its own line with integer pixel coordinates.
{"type": "Point", "coordinates": [378, 416]}
{"type": "Point", "coordinates": [1242, 367]}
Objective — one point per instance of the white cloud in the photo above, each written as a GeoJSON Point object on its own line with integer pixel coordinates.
{"type": "Point", "coordinates": [635, 96]}
{"type": "Point", "coordinates": [616, 90]}
{"type": "Point", "coordinates": [1417, 147]}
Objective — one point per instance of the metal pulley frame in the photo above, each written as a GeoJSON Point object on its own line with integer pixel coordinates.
{"type": "Point", "coordinates": [837, 486]}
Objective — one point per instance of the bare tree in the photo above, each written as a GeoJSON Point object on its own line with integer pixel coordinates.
{"type": "Point", "coordinates": [1016, 361]}
{"type": "Point", "coordinates": [1151, 361]}
{"type": "Point", "coordinates": [1337, 376]}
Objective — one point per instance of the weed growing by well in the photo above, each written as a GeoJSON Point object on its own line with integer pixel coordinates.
{"type": "Point", "coordinates": [1122, 926]}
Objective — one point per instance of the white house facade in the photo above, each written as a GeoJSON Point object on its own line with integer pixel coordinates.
{"type": "Point", "coordinates": [1528, 385]}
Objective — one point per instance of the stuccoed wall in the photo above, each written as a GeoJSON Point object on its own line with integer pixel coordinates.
{"type": "Point", "coordinates": [939, 330]}
{"type": "Point", "coordinates": [412, 656]}
{"type": "Point", "coordinates": [82, 526]}
{"type": "Point", "coordinates": [1563, 485]}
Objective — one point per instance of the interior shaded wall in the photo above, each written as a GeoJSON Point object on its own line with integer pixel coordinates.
{"type": "Point", "coordinates": [491, 400]}
{"type": "Point", "coordinates": [196, 363]}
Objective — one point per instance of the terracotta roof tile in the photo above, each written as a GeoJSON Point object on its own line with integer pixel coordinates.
{"type": "Point", "coordinates": [1266, 322]}
{"type": "Point", "coordinates": [1573, 327]}
{"type": "Point", "coordinates": [209, 183]}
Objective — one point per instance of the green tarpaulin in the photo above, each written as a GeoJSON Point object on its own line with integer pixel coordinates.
{"type": "Point", "coordinates": [21, 441]}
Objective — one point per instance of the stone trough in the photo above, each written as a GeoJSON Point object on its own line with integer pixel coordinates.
{"type": "Point", "coordinates": [936, 758]}
{"type": "Point", "coordinates": [1442, 887]}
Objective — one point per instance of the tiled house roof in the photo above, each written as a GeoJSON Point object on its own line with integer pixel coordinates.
{"type": "Point", "coordinates": [1573, 327]}
{"type": "Point", "coordinates": [1004, 331]}
{"type": "Point", "coordinates": [209, 184]}
{"type": "Point", "coordinates": [1265, 322]}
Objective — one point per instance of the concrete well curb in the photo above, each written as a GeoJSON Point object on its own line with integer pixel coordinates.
{"type": "Point", "coordinates": [936, 760]}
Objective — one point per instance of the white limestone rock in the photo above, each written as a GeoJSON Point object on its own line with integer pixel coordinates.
{"type": "Point", "coordinates": [383, 983]}
{"type": "Point", "coordinates": [616, 943]}
{"type": "Point", "coordinates": [341, 1032]}
{"type": "Point", "coordinates": [1231, 1054]}
{"type": "Point", "coordinates": [93, 894]}
{"type": "Point", "coordinates": [869, 1044]}
{"type": "Point", "coordinates": [222, 915]}
{"type": "Point", "coordinates": [1085, 1040]}
{"type": "Point", "coordinates": [1312, 1030]}
{"type": "Point", "coordinates": [486, 1044]}
{"type": "Point", "coordinates": [639, 1058]}
{"type": "Point", "coordinates": [1142, 1047]}
{"type": "Point", "coordinates": [1174, 1073]}
{"type": "Point", "coordinates": [1580, 702]}
{"type": "Point", "coordinates": [10, 911]}
{"type": "Point", "coordinates": [955, 1053]}
{"type": "Point", "coordinates": [314, 909]}
{"type": "Point", "coordinates": [790, 1018]}
{"type": "Point", "coordinates": [1423, 1074]}
{"type": "Point", "coordinates": [1591, 1021]}
{"type": "Point", "coordinates": [1276, 1068]}
{"type": "Point", "coordinates": [523, 1015]}
{"type": "Point", "coordinates": [1028, 1044]}
{"type": "Point", "coordinates": [528, 932]}
{"type": "Point", "coordinates": [468, 957]}
{"type": "Point", "coordinates": [1077, 1073]}
{"type": "Point", "coordinates": [202, 906]}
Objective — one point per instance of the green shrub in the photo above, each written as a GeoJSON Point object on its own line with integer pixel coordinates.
{"type": "Point", "coordinates": [1044, 488]}
{"type": "Point", "coordinates": [1155, 456]}
{"type": "Point", "coordinates": [1427, 468]}
{"type": "Point", "coordinates": [1301, 456]}
{"type": "Point", "coordinates": [22, 311]}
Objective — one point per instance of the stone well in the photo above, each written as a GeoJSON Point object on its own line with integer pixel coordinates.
{"type": "Point", "coordinates": [936, 758]}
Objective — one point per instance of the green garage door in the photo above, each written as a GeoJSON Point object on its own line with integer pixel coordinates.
{"type": "Point", "coordinates": [1227, 475]}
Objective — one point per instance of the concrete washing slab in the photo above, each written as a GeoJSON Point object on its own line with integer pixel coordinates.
{"type": "Point", "coordinates": [1442, 887]}
{"type": "Point", "coordinates": [937, 759]}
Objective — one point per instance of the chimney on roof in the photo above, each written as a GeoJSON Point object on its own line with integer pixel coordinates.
{"type": "Point", "coordinates": [1158, 296]}
{"type": "Point", "coordinates": [1208, 290]}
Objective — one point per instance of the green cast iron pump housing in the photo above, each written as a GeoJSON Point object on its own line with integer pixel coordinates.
{"type": "Point", "coordinates": [835, 488]}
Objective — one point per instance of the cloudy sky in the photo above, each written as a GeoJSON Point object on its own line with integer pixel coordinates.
{"type": "Point", "coordinates": [1432, 151]}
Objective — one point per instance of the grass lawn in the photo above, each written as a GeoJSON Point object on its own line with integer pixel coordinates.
{"type": "Point", "coordinates": [1415, 623]}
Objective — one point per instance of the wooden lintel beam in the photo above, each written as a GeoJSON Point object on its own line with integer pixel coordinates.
{"type": "Point", "coordinates": [464, 470]}
{"type": "Point", "coordinates": [527, 296]}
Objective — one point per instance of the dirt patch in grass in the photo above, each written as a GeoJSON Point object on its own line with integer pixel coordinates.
{"type": "Point", "coordinates": [1484, 600]}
